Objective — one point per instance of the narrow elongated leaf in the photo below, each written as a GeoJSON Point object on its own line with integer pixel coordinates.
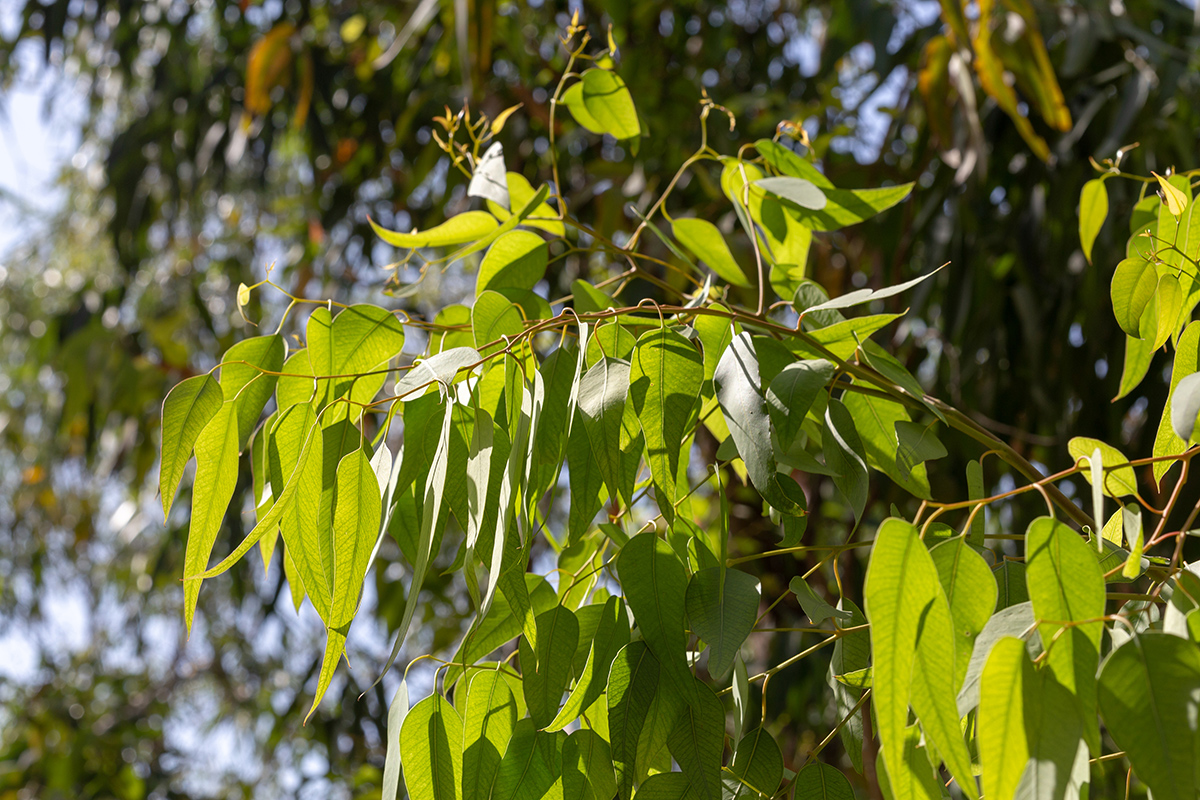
{"type": "Point", "coordinates": [1149, 696]}
{"type": "Point", "coordinates": [632, 683]}
{"type": "Point", "coordinates": [722, 605]}
{"type": "Point", "coordinates": [901, 584]}
{"type": "Point", "coordinates": [705, 240]}
{"type": "Point", "coordinates": [469, 226]}
{"type": "Point", "coordinates": [1167, 441]}
{"type": "Point", "coordinates": [971, 591]}
{"type": "Point", "coordinates": [359, 339]}
{"type": "Point", "coordinates": [546, 670]}
{"type": "Point", "coordinates": [587, 768]}
{"type": "Point", "coordinates": [820, 781]}
{"type": "Point", "coordinates": [664, 385]}
{"type": "Point", "coordinates": [186, 411]}
{"type": "Point", "coordinates": [397, 711]}
{"type": "Point", "coordinates": [1065, 585]}
{"type": "Point", "coordinates": [1003, 745]}
{"type": "Point", "coordinates": [845, 207]}
{"type": "Point", "coordinates": [1093, 208]}
{"type": "Point", "coordinates": [844, 455]}
{"type": "Point", "coordinates": [1133, 285]}
{"type": "Point", "coordinates": [655, 584]}
{"type": "Point", "coordinates": [499, 626]}
{"type": "Point", "coordinates": [789, 163]}
{"type": "Point", "coordinates": [1015, 621]}
{"type": "Point", "coordinates": [738, 388]}
{"type": "Point", "coordinates": [356, 517]}
{"type": "Point", "coordinates": [814, 606]}
{"type": "Point", "coordinates": [246, 378]}
{"type": "Point", "coordinates": [335, 647]}
{"type": "Point", "coordinates": [756, 769]}
{"type": "Point", "coordinates": [698, 740]}
{"type": "Point", "coordinates": [1052, 730]}
{"type": "Point", "coordinates": [431, 750]}
{"type": "Point", "coordinates": [602, 393]}
{"type": "Point", "coordinates": [612, 633]}
{"type": "Point", "coordinates": [851, 654]}
{"type": "Point", "coordinates": [489, 717]}
{"type": "Point", "coordinates": [216, 478]}
{"type": "Point", "coordinates": [860, 296]}
{"type": "Point", "coordinates": [842, 339]}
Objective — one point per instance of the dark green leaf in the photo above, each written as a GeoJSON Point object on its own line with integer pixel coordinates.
{"type": "Point", "coordinates": [722, 605]}
{"type": "Point", "coordinates": [632, 683]}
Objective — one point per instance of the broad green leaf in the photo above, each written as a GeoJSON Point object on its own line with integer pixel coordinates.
{"type": "Point", "coordinates": [356, 518]}
{"type": "Point", "coordinates": [489, 716]}
{"type": "Point", "coordinates": [517, 260]}
{"type": "Point", "coordinates": [469, 226]}
{"type": "Point", "coordinates": [499, 626]}
{"type": "Point", "coordinates": [1065, 585]}
{"type": "Point", "coordinates": [589, 299]}
{"type": "Point", "coordinates": [602, 394]}
{"type": "Point", "coordinates": [1133, 285]}
{"type": "Point", "coordinates": [788, 163]}
{"type": "Point", "coordinates": [667, 786]}
{"type": "Point", "coordinates": [841, 339]}
{"type": "Point", "coordinates": [293, 388]}
{"type": "Point", "coordinates": [1052, 730]}
{"type": "Point", "coordinates": [702, 238]}
{"type": "Point", "coordinates": [632, 684]}
{"type": "Point", "coordinates": [1168, 302]}
{"type": "Point", "coordinates": [1016, 621]}
{"type": "Point", "coordinates": [860, 296]}
{"type": "Point", "coordinates": [547, 669]}
{"type": "Point", "coordinates": [653, 753]}
{"type": "Point", "coordinates": [397, 711]}
{"type": "Point", "coordinates": [1138, 354]}
{"type": "Point", "coordinates": [431, 750]}
{"type": "Point", "coordinates": [532, 765]}
{"type": "Point", "coordinates": [845, 207]}
{"type": "Point", "coordinates": [664, 385]}
{"type": "Point", "coordinates": [655, 584]}
{"type": "Point", "coordinates": [715, 332]}
{"type": "Point", "coordinates": [817, 609]}
{"type": "Point", "coordinates": [1000, 733]}
{"type": "Point", "coordinates": [791, 393]}
{"type": "Point", "coordinates": [587, 768]}
{"type": "Point", "coordinates": [756, 769]}
{"type": "Point", "coordinates": [738, 389]}
{"type": "Point", "coordinates": [212, 489]}
{"type": "Point", "coordinates": [359, 339]}
{"type": "Point", "coordinates": [1149, 690]}
{"type": "Point", "coordinates": [1187, 362]}
{"type": "Point", "coordinates": [782, 238]}
{"type": "Point", "coordinates": [586, 481]}
{"type": "Point", "coordinates": [245, 378]}
{"type": "Point", "coordinates": [607, 105]}
{"type": "Point", "coordinates": [820, 781]}
{"type": "Point", "coordinates": [495, 319]}
{"type": "Point", "coordinates": [187, 410]}
{"type": "Point", "coordinates": [611, 634]}
{"type": "Point", "coordinates": [722, 605]}
{"type": "Point", "coordinates": [797, 191]}
{"type": "Point", "coordinates": [875, 419]}
{"type": "Point", "coordinates": [916, 444]}
{"type": "Point", "coordinates": [612, 340]}
{"type": "Point", "coordinates": [697, 741]}
{"type": "Point", "coordinates": [901, 584]}
{"type": "Point", "coordinates": [1093, 208]}
{"type": "Point", "coordinates": [971, 591]}
{"type": "Point", "coordinates": [851, 653]}
{"type": "Point", "coordinates": [844, 455]}
{"type": "Point", "coordinates": [456, 319]}
{"type": "Point", "coordinates": [1131, 517]}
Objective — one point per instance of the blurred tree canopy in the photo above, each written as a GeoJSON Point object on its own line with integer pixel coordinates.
{"type": "Point", "coordinates": [223, 137]}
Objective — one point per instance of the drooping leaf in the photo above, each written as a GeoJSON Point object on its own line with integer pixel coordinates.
{"type": "Point", "coordinates": [705, 240]}
{"type": "Point", "coordinates": [1002, 741]}
{"type": "Point", "coordinates": [1015, 621]}
{"type": "Point", "coordinates": [756, 769]}
{"type": "Point", "coordinates": [495, 319]}
{"type": "Point", "coordinates": [516, 260]}
{"type": "Point", "coordinates": [216, 478]}
{"type": "Point", "coordinates": [607, 104]}
{"type": "Point", "coordinates": [441, 367]}
{"type": "Point", "coordinates": [916, 444]}
{"type": "Point", "coordinates": [715, 332]}
{"type": "Point", "coordinates": [359, 339]}
{"type": "Point", "coordinates": [797, 191]}
{"type": "Point", "coordinates": [1065, 585]}
{"type": "Point", "coordinates": [1187, 362]}
{"type": "Point", "coordinates": [666, 786]}
{"type": "Point", "coordinates": [489, 717]}
{"type": "Point", "coordinates": [817, 609]}
{"type": "Point", "coordinates": [655, 584]}
{"type": "Point", "coordinates": [722, 605]}
{"type": "Point", "coordinates": [546, 670]}
{"type": "Point", "coordinates": [397, 711]}
{"type": "Point", "coordinates": [1149, 691]}
{"type": "Point", "coordinates": [851, 654]}
{"type": "Point", "coordinates": [602, 393]}
{"type": "Point", "coordinates": [875, 419]}
{"type": "Point", "coordinates": [632, 683]}
{"type": "Point", "coordinates": [587, 768]}
{"type": "Point", "coordinates": [611, 634]}
{"type": "Point", "coordinates": [791, 393]}
{"type": "Point", "coordinates": [247, 379]}
{"type": "Point", "coordinates": [697, 741]}
{"type": "Point", "coordinates": [532, 765]}
{"type": "Point", "coordinates": [820, 781]}
{"type": "Point", "coordinates": [789, 163]}
{"type": "Point", "coordinates": [971, 591]}
{"type": "Point", "coordinates": [664, 385]}
{"type": "Point", "coordinates": [356, 518]}
{"type": "Point", "coordinates": [844, 207]}
{"type": "Point", "coordinates": [431, 750]}
{"type": "Point", "coordinates": [1093, 208]}
{"type": "Point", "coordinates": [520, 195]}
{"type": "Point", "coordinates": [187, 409]}
{"type": "Point", "coordinates": [1052, 731]}
{"type": "Point", "coordinates": [844, 455]}
{"type": "Point", "coordinates": [468, 226]}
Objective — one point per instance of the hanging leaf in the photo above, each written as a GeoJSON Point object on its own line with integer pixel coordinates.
{"type": "Point", "coordinates": [495, 319]}
{"type": "Point", "coordinates": [359, 339]}
{"type": "Point", "coordinates": [664, 385]}
{"type": "Point", "coordinates": [722, 606]}
{"type": "Point", "coordinates": [705, 240]}
{"type": "Point", "coordinates": [916, 444]}
{"type": "Point", "coordinates": [469, 226]}
{"type": "Point", "coordinates": [875, 419]}
{"type": "Point", "coordinates": [611, 634]}
{"type": "Point", "coordinates": [843, 452]}
{"type": "Point", "coordinates": [603, 104]}
{"type": "Point", "coordinates": [788, 163]}
{"type": "Point", "coordinates": [356, 518]}
{"type": "Point", "coordinates": [1016, 621]}
{"type": "Point", "coordinates": [1167, 441]}
{"type": "Point", "coordinates": [1002, 741]}
{"type": "Point", "coordinates": [397, 711]}
{"type": "Point", "coordinates": [791, 393]}
{"type": "Point", "coordinates": [844, 207]}
{"type": "Point", "coordinates": [655, 584]}
{"type": "Point", "coordinates": [216, 478]}
{"type": "Point", "coordinates": [756, 769]}
{"type": "Point", "coordinates": [697, 742]}
{"type": "Point", "coordinates": [1093, 208]}
{"type": "Point", "coordinates": [851, 654]}
{"type": "Point", "coordinates": [602, 393]}
{"type": "Point", "coordinates": [1176, 201]}
{"type": "Point", "coordinates": [587, 768]}
{"type": "Point", "coordinates": [971, 591]}
{"type": "Point", "coordinates": [489, 717]}
{"type": "Point", "coordinates": [820, 781]}
{"type": "Point", "coordinates": [187, 409]}
{"type": "Point", "coordinates": [797, 191]}
{"type": "Point", "coordinates": [431, 750]}
{"type": "Point", "coordinates": [814, 606]}
{"type": "Point", "coordinates": [517, 260]}
{"type": "Point", "coordinates": [632, 683]}
{"type": "Point", "coordinates": [1147, 696]}
{"type": "Point", "coordinates": [546, 670]}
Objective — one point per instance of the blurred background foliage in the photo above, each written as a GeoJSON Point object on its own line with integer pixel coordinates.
{"type": "Point", "coordinates": [217, 138]}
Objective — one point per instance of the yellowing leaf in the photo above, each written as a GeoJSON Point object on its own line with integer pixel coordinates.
{"type": "Point", "coordinates": [1176, 200]}
{"type": "Point", "coordinates": [469, 226]}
